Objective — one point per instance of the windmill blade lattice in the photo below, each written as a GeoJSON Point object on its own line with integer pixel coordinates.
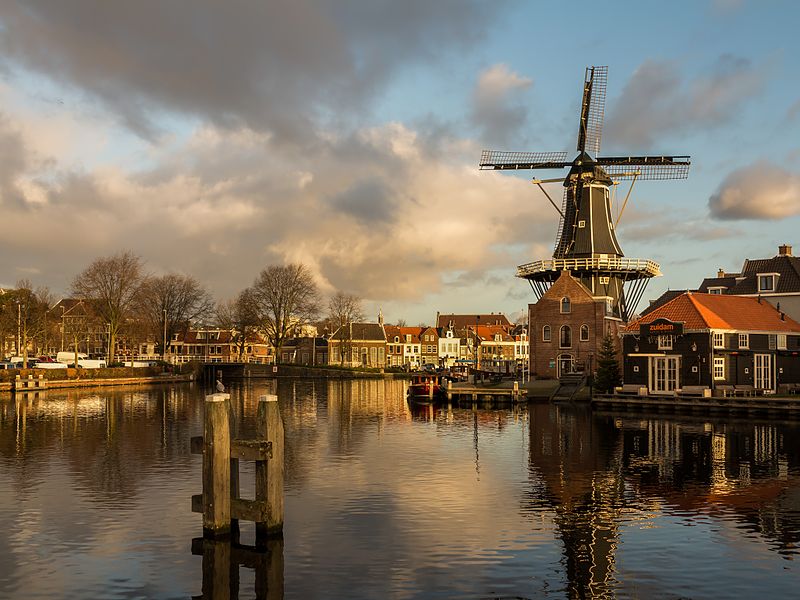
{"type": "Point", "coordinates": [498, 159]}
{"type": "Point", "coordinates": [593, 110]}
{"type": "Point", "coordinates": [646, 167]}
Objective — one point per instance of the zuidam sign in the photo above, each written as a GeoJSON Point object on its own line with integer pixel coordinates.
{"type": "Point", "coordinates": [661, 327]}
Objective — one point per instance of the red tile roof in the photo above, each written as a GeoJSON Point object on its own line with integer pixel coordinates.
{"type": "Point", "coordinates": [720, 311]}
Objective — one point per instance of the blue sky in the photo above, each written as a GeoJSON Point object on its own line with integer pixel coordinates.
{"type": "Point", "coordinates": [214, 141]}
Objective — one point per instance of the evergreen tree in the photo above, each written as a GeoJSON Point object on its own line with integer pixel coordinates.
{"type": "Point", "coordinates": [608, 375]}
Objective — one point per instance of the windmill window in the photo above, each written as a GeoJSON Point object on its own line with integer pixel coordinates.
{"type": "Point", "coordinates": [581, 224]}
{"type": "Point", "coordinates": [781, 341]}
{"type": "Point", "coordinates": [546, 333]}
{"type": "Point", "coordinates": [565, 337]}
{"type": "Point", "coordinates": [566, 306]}
{"type": "Point", "coordinates": [719, 340]}
{"type": "Point", "coordinates": [584, 333]}
{"type": "Point", "coordinates": [665, 342]}
{"type": "Point", "coordinates": [744, 340]}
{"type": "Point", "coordinates": [604, 280]}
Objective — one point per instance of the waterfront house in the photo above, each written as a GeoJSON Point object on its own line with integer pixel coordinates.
{"type": "Point", "coordinates": [567, 327]}
{"type": "Point", "coordinates": [394, 346]}
{"type": "Point", "coordinates": [715, 341]}
{"type": "Point", "coordinates": [358, 345]}
{"type": "Point", "coordinates": [496, 349]}
{"type": "Point", "coordinates": [429, 346]}
{"type": "Point", "coordinates": [214, 345]}
{"type": "Point", "coordinates": [449, 347]}
{"type": "Point", "coordinates": [410, 337]}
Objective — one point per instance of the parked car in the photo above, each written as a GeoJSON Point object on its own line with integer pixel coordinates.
{"type": "Point", "coordinates": [43, 364]}
{"type": "Point", "coordinates": [69, 357]}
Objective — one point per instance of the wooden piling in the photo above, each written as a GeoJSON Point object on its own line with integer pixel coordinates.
{"type": "Point", "coordinates": [269, 473]}
{"type": "Point", "coordinates": [217, 467]}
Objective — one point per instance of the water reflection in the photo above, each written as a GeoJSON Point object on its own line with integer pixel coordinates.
{"type": "Point", "coordinates": [387, 499]}
{"type": "Point", "coordinates": [603, 474]}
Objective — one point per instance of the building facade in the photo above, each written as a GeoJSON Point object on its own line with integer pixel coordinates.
{"type": "Point", "coordinates": [566, 328]}
{"type": "Point", "coordinates": [714, 341]}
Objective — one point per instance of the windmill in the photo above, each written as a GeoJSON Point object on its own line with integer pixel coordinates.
{"type": "Point", "coordinates": [587, 244]}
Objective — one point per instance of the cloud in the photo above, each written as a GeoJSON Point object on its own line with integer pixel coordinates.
{"type": "Point", "coordinates": [496, 108]}
{"type": "Point", "coordinates": [225, 204]}
{"type": "Point", "coordinates": [280, 66]}
{"type": "Point", "coordinates": [758, 191]}
{"type": "Point", "coordinates": [658, 101]}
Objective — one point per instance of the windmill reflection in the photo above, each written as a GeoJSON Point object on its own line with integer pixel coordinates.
{"type": "Point", "coordinates": [600, 474]}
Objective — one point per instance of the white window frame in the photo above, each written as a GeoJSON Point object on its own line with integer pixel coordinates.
{"type": "Point", "coordinates": [665, 342]}
{"type": "Point", "coordinates": [773, 278]}
{"type": "Point", "coordinates": [565, 301]}
{"type": "Point", "coordinates": [781, 341]}
{"type": "Point", "coordinates": [719, 368]}
{"type": "Point", "coordinates": [718, 290]}
{"type": "Point", "coordinates": [584, 328]}
{"type": "Point", "coordinates": [744, 341]}
{"type": "Point", "coordinates": [718, 339]}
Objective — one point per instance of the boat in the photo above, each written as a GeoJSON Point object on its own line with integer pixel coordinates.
{"type": "Point", "coordinates": [425, 389]}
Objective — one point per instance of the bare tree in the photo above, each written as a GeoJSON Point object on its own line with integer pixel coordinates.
{"type": "Point", "coordinates": [239, 316]}
{"type": "Point", "coordinates": [23, 316]}
{"type": "Point", "coordinates": [401, 322]}
{"type": "Point", "coordinates": [284, 298]}
{"type": "Point", "coordinates": [343, 310]}
{"type": "Point", "coordinates": [169, 303]}
{"type": "Point", "coordinates": [110, 285]}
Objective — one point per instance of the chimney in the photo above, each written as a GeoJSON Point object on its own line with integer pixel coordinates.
{"type": "Point", "coordinates": [784, 250]}
{"type": "Point", "coordinates": [720, 273]}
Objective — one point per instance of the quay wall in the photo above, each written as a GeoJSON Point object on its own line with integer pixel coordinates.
{"type": "Point", "coordinates": [255, 371]}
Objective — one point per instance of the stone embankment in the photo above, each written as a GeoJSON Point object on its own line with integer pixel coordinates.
{"type": "Point", "coordinates": [79, 378]}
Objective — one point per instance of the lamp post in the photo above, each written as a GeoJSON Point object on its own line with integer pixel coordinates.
{"type": "Point", "coordinates": [164, 347]}
{"type": "Point", "coordinates": [19, 314]}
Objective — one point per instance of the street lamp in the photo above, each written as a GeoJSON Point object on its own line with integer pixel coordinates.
{"type": "Point", "coordinates": [19, 313]}
{"type": "Point", "coordinates": [164, 348]}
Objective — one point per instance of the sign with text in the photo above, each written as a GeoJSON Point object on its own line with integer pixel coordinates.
{"type": "Point", "coordinates": [661, 327]}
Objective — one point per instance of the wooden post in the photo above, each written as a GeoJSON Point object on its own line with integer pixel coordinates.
{"type": "Point", "coordinates": [217, 571]}
{"type": "Point", "coordinates": [217, 467]}
{"type": "Point", "coordinates": [269, 473]}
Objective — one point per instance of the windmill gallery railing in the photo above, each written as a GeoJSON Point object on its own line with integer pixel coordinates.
{"type": "Point", "coordinates": [633, 267]}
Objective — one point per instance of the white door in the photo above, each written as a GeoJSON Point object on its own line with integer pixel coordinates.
{"type": "Point", "coordinates": [762, 364]}
{"type": "Point", "coordinates": [664, 374]}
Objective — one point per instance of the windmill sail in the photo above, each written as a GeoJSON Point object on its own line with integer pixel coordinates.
{"type": "Point", "coordinates": [590, 129]}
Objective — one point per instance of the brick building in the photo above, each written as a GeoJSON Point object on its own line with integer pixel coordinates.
{"type": "Point", "coordinates": [567, 326]}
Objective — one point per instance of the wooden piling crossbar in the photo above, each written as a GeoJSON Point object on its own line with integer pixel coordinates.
{"type": "Point", "coordinates": [220, 503]}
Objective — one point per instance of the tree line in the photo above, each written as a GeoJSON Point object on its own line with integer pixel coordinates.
{"type": "Point", "coordinates": [121, 296]}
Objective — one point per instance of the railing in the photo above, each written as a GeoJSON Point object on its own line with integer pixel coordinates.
{"type": "Point", "coordinates": [645, 267]}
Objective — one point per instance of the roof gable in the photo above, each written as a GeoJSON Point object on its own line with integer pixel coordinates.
{"type": "Point", "coordinates": [565, 285]}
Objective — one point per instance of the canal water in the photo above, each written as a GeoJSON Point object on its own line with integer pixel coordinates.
{"type": "Point", "coordinates": [384, 500]}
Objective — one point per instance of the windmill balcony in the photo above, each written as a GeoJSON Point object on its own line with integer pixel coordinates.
{"type": "Point", "coordinates": [633, 268]}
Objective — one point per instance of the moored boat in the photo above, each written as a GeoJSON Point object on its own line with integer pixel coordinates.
{"type": "Point", "coordinates": [425, 388]}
